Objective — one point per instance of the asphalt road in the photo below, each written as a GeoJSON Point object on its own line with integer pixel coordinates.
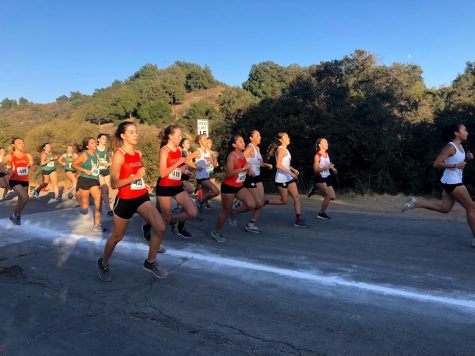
{"type": "Point", "coordinates": [360, 284]}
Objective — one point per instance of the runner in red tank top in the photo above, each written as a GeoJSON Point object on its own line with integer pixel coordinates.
{"type": "Point", "coordinates": [19, 162]}
{"type": "Point", "coordinates": [236, 170]}
{"type": "Point", "coordinates": [170, 185]}
{"type": "Point", "coordinates": [127, 172]}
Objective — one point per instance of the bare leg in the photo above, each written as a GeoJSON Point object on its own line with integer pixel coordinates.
{"type": "Point", "coordinates": [96, 196]}
{"type": "Point", "coordinates": [462, 196]}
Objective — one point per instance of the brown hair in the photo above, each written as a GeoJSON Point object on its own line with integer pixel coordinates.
{"type": "Point", "coordinates": [165, 134]}
{"type": "Point", "coordinates": [117, 141]}
{"type": "Point", "coordinates": [273, 146]}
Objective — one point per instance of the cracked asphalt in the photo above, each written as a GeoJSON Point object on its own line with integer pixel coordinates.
{"type": "Point", "coordinates": [361, 284]}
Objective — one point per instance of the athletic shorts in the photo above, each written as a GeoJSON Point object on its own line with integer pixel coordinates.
{"type": "Point", "coordinates": [251, 182]}
{"type": "Point", "coordinates": [2, 174]}
{"type": "Point", "coordinates": [104, 172]}
{"type": "Point", "coordinates": [126, 208]}
{"type": "Point", "coordinates": [169, 191]}
{"type": "Point", "coordinates": [47, 173]}
{"type": "Point", "coordinates": [449, 188]}
{"type": "Point", "coordinates": [328, 180]}
{"type": "Point", "coordinates": [212, 175]}
{"type": "Point", "coordinates": [201, 180]}
{"type": "Point", "coordinates": [18, 182]}
{"type": "Point", "coordinates": [229, 189]}
{"type": "Point", "coordinates": [185, 177]}
{"type": "Point", "coordinates": [284, 185]}
{"type": "Point", "coordinates": [86, 183]}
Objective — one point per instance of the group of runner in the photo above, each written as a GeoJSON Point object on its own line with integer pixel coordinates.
{"type": "Point", "coordinates": [241, 190]}
{"type": "Point", "coordinates": [87, 174]}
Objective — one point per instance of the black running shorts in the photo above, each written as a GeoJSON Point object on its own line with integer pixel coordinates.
{"type": "Point", "coordinates": [126, 208]}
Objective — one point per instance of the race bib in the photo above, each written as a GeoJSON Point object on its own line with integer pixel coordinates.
{"type": "Point", "coordinates": [70, 165]}
{"type": "Point", "coordinates": [22, 171]}
{"type": "Point", "coordinates": [209, 167]}
{"type": "Point", "coordinates": [95, 171]}
{"type": "Point", "coordinates": [241, 177]}
{"type": "Point", "coordinates": [325, 174]}
{"type": "Point", "coordinates": [103, 161]}
{"type": "Point", "coordinates": [50, 164]}
{"type": "Point", "coordinates": [176, 174]}
{"type": "Point", "coordinates": [138, 184]}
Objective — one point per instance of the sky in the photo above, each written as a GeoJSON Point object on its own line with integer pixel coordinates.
{"type": "Point", "coordinates": [51, 48]}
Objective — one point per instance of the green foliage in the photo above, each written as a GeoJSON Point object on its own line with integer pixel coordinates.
{"type": "Point", "coordinates": [7, 104]}
{"type": "Point", "coordinates": [62, 99]}
{"type": "Point", "coordinates": [197, 77]}
{"type": "Point", "coordinates": [22, 101]}
{"type": "Point", "coordinates": [155, 112]}
{"type": "Point", "coordinates": [269, 80]}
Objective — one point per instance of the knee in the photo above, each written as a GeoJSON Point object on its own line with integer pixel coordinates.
{"type": "Point", "coordinates": [159, 228]}
{"type": "Point", "coordinates": [215, 192]}
{"type": "Point", "coordinates": [284, 200]}
{"type": "Point", "coordinates": [259, 204]}
{"type": "Point", "coordinates": [116, 238]}
{"type": "Point", "coordinates": [446, 210]}
{"type": "Point", "coordinates": [193, 213]}
{"type": "Point", "coordinates": [251, 205]}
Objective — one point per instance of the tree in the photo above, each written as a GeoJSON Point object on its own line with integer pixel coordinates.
{"type": "Point", "coordinates": [155, 112]}
{"type": "Point", "coordinates": [8, 104]}
{"type": "Point", "coordinates": [22, 101]}
{"type": "Point", "coordinates": [62, 99]}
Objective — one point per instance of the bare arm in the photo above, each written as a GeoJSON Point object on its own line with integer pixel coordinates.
{"type": "Point", "coordinates": [163, 169]}
{"type": "Point", "coordinates": [76, 164]}
{"type": "Point", "coordinates": [447, 152]}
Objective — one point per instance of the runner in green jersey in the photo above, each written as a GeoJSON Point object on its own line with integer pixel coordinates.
{"type": "Point", "coordinates": [66, 160]}
{"type": "Point", "coordinates": [48, 171]}
{"type": "Point", "coordinates": [104, 175]}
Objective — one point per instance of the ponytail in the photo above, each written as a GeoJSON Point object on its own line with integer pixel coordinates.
{"type": "Point", "coordinates": [273, 146]}
{"type": "Point", "coordinates": [117, 140]}
{"type": "Point", "coordinates": [164, 135]}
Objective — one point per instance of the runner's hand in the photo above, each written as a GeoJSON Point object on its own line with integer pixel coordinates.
{"type": "Point", "coordinates": [140, 173]}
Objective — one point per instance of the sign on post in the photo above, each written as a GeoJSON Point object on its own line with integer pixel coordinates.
{"type": "Point", "coordinates": [203, 127]}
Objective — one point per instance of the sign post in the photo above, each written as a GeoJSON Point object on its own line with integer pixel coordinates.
{"type": "Point", "coordinates": [203, 127]}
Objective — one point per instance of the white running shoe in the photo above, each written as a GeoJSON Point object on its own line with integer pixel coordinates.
{"type": "Point", "coordinates": [411, 204]}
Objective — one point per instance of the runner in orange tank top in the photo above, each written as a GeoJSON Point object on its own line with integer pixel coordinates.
{"type": "Point", "coordinates": [19, 162]}
{"type": "Point", "coordinates": [127, 175]}
{"type": "Point", "coordinates": [233, 186]}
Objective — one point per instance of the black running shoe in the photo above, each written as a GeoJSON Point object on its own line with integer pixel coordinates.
{"type": "Point", "coordinates": [104, 272]}
{"type": "Point", "coordinates": [158, 271]}
{"type": "Point", "coordinates": [146, 231]}
{"type": "Point", "coordinates": [16, 220]}
{"type": "Point", "coordinates": [323, 216]}
{"type": "Point", "coordinates": [184, 233]}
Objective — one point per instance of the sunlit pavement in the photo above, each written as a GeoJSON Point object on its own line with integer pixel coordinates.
{"type": "Point", "coordinates": [361, 283]}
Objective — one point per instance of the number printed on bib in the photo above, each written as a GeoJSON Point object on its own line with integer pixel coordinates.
{"type": "Point", "coordinates": [22, 171]}
{"type": "Point", "coordinates": [138, 184]}
{"type": "Point", "coordinates": [50, 164]}
{"type": "Point", "coordinates": [176, 174]}
{"type": "Point", "coordinates": [94, 171]}
{"type": "Point", "coordinates": [241, 177]}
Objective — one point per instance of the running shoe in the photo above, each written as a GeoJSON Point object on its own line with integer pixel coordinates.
{"type": "Point", "coordinates": [199, 204]}
{"type": "Point", "coordinates": [232, 219]}
{"type": "Point", "coordinates": [175, 231]}
{"type": "Point", "coordinates": [98, 228]}
{"type": "Point", "coordinates": [70, 195]}
{"type": "Point", "coordinates": [184, 233]}
{"type": "Point", "coordinates": [36, 194]}
{"type": "Point", "coordinates": [154, 267]}
{"type": "Point", "coordinates": [218, 236]}
{"type": "Point", "coordinates": [146, 231]}
{"type": "Point", "coordinates": [162, 249]}
{"type": "Point", "coordinates": [103, 271]}
{"type": "Point", "coordinates": [207, 206]}
{"type": "Point", "coordinates": [251, 227]}
{"type": "Point", "coordinates": [110, 213]}
{"type": "Point", "coordinates": [83, 211]}
{"type": "Point", "coordinates": [410, 204]}
{"type": "Point", "coordinates": [59, 199]}
{"type": "Point", "coordinates": [300, 223]}
{"type": "Point", "coordinates": [16, 220]}
{"type": "Point", "coordinates": [311, 191]}
{"type": "Point", "coordinates": [323, 216]}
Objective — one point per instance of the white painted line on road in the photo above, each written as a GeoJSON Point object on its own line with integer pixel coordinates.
{"type": "Point", "coordinates": [64, 238]}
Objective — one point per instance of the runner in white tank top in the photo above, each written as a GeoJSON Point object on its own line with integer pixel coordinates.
{"type": "Point", "coordinates": [286, 176]}
{"type": "Point", "coordinates": [204, 166]}
{"type": "Point", "coordinates": [323, 179]}
{"type": "Point", "coordinates": [254, 181]}
{"type": "Point", "coordinates": [453, 160]}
